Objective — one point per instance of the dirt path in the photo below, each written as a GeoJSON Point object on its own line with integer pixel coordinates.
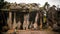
{"type": "Point", "coordinates": [31, 32]}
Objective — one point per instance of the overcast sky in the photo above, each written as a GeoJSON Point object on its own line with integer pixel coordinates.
{"type": "Point", "coordinates": [41, 2]}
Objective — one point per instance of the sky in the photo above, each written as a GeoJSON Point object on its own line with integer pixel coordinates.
{"type": "Point", "coordinates": [41, 2]}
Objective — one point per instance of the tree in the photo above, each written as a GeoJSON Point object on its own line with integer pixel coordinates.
{"type": "Point", "coordinates": [1, 3]}
{"type": "Point", "coordinates": [1, 0]}
{"type": "Point", "coordinates": [46, 6]}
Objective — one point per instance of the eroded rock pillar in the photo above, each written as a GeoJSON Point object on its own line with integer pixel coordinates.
{"type": "Point", "coordinates": [41, 20]}
{"type": "Point", "coordinates": [14, 21]}
{"type": "Point", "coordinates": [9, 20]}
{"type": "Point", "coordinates": [26, 22]}
{"type": "Point", "coordinates": [35, 24]}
